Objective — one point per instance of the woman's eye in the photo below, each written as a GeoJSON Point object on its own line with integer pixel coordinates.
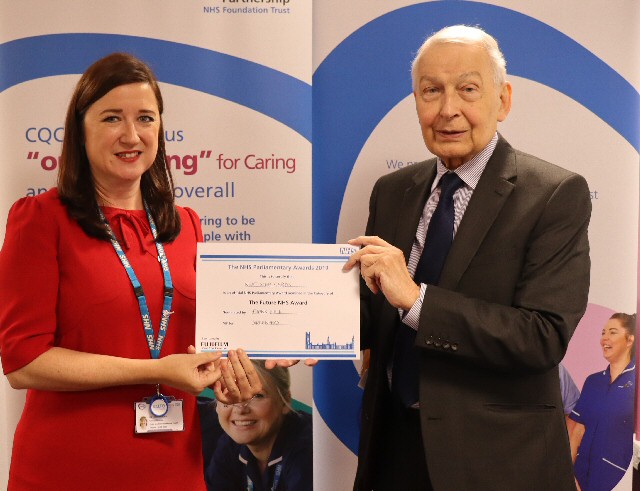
{"type": "Point", "coordinates": [260, 396]}
{"type": "Point", "coordinates": [147, 119]}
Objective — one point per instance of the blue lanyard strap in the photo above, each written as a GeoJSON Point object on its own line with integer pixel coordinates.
{"type": "Point", "coordinates": [276, 479]}
{"type": "Point", "coordinates": [154, 346]}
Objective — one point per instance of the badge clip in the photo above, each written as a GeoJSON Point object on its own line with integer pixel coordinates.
{"type": "Point", "coordinates": [159, 403]}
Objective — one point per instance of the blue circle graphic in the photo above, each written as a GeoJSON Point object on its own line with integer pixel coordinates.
{"type": "Point", "coordinates": [364, 77]}
{"type": "Point", "coordinates": [263, 89]}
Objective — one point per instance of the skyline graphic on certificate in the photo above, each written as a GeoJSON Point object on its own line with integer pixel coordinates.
{"type": "Point", "coordinates": [278, 300]}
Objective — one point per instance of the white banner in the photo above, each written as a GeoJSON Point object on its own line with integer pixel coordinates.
{"type": "Point", "coordinates": [575, 82]}
{"type": "Point", "coordinates": [235, 79]}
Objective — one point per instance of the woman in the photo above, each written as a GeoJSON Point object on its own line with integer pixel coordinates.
{"type": "Point", "coordinates": [97, 280]}
{"type": "Point", "coordinates": [602, 437]}
{"type": "Point", "coordinates": [266, 445]}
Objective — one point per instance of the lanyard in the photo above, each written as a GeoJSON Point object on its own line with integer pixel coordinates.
{"type": "Point", "coordinates": [154, 347]}
{"type": "Point", "coordinates": [276, 479]}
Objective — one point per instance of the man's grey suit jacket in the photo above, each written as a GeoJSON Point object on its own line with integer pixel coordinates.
{"type": "Point", "coordinates": [512, 291]}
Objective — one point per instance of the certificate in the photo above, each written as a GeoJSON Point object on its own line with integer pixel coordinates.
{"type": "Point", "coordinates": [289, 301]}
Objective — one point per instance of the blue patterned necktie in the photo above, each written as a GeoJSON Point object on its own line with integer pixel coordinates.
{"type": "Point", "coordinates": [404, 381]}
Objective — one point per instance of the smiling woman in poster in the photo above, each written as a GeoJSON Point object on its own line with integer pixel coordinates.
{"type": "Point", "coordinates": [267, 446]}
{"type": "Point", "coordinates": [97, 280]}
{"type": "Point", "coordinates": [602, 438]}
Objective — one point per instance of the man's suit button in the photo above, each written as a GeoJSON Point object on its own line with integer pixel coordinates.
{"type": "Point", "coordinates": [428, 341]}
{"type": "Point", "coordinates": [437, 343]}
{"type": "Point", "coordinates": [454, 347]}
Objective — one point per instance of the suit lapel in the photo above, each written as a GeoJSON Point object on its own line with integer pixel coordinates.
{"type": "Point", "coordinates": [495, 185]}
{"type": "Point", "coordinates": [409, 212]}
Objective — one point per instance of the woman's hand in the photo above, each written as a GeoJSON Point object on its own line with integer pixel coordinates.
{"type": "Point", "coordinates": [61, 369]}
{"type": "Point", "coordinates": [192, 372]}
{"type": "Point", "coordinates": [240, 380]}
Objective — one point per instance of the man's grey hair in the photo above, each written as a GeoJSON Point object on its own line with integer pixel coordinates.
{"type": "Point", "coordinates": [466, 35]}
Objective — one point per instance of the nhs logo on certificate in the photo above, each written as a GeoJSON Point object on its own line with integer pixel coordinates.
{"type": "Point", "coordinates": [278, 300]}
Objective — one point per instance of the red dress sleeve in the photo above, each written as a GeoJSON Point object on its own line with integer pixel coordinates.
{"type": "Point", "coordinates": [195, 220]}
{"type": "Point", "coordinates": [28, 284]}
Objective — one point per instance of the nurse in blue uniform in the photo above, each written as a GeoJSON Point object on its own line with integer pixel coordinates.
{"type": "Point", "coordinates": [266, 445]}
{"type": "Point", "coordinates": [602, 438]}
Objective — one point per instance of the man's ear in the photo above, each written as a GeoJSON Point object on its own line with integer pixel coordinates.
{"type": "Point", "coordinates": [505, 101]}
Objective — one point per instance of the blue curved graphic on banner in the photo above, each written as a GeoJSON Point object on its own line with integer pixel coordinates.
{"type": "Point", "coordinates": [263, 89]}
{"type": "Point", "coordinates": [368, 74]}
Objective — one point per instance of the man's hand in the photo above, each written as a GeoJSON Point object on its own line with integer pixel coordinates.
{"type": "Point", "coordinates": [240, 380]}
{"type": "Point", "coordinates": [383, 268]}
{"type": "Point", "coordinates": [269, 364]}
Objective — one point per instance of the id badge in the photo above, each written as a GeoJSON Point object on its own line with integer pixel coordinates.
{"type": "Point", "coordinates": [155, 416]}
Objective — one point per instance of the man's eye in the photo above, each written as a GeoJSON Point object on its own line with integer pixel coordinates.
{"type": "Point", "coordinates": [430, 93]}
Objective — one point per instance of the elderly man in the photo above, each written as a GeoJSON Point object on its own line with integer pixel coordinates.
{"type": "Point", "coordinates": [476, 267]}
